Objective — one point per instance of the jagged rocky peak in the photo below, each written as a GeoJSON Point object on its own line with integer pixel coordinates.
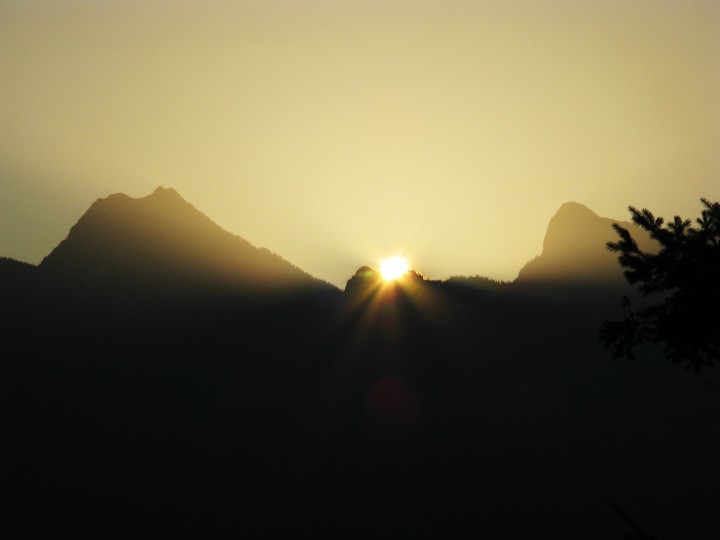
{"type": "Point", "coordinates": [572, 226]}
{"type": "Point", "coordinates": [166, 194]}
{"type": "Point", "coordinates": [575, 247]}
{"type": "Point", "coordinates": [366, 276]}
{"type": "Point", "coordinates": [160, 194]}
{"type": "Point", "coordinates": [574, 209]}
{"type": "Point", "coordinates": [163, 237]}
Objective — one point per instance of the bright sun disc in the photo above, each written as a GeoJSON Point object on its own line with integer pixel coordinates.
{"type": "Point", "coordinates": [393, 268]}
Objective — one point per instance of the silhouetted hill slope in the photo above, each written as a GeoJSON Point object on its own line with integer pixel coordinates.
{"type": "Point", "coordinates": [412, 408]}
{"type": "Point", "coordinates": [369, 278]}
{"type": "Point", "coordinates": [17, 279]}
{"type": "Point", "coordinates": [163, 240]}
{"type": "Point", "coordinates": [574, 248]}
{"type": "Point", "coordinates": [15, 275]}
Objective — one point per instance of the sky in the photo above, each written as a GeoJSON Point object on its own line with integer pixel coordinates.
{"type": "Point", "coordinates": [337, 133]}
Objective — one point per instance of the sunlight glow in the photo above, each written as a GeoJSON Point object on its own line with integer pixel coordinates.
{"type": "Point", "coordinates": [393, 268]}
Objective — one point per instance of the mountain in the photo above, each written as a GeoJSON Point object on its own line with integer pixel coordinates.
{"type": "Point", "coordinates": [162, 240]}
{"type": "Point", "coordinates": [369, 278]}
{"type": "Point", "coordinates": [464, 407]}
{"type": "Point", "coordinates": [574, 248]}
{"type": "Point", "coordinates": [16, 272]}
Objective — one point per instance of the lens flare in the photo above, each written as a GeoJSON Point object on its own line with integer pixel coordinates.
{"type": "Point", "coordinates": [393, 268]}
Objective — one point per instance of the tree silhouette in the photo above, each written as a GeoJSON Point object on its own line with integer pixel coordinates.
{"type": "Point", "coordinates": [684, 276]}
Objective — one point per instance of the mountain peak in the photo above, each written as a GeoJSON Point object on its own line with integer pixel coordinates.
{"type": "Point", "coordinates": [572, 227]}
{"type": "Point", "coordinates": [161, 196]}
{"type": "Point", "coordinates": [367, 277]}
{"type": "Point", "coordinates": [574, 247]}
{"type": "Point", "coordinates": [575, 210]}
{"type": "Point", "coordinates": [162, 191]}
{"type": "Point", "coordinates": [160, 238]}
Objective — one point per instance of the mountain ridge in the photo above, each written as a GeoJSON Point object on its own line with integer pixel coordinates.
{"type": "Point", "coordinates": [574, 248]}
{"type": "Point", "coordinates": [163, 233]}
{"type": "Point", "coordinates": [462, 407]}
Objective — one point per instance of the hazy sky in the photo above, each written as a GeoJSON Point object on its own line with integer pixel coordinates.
{"type": "Point", "coordinates": [335, 133]}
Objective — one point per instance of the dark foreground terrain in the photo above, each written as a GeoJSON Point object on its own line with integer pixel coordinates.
{"type": "Point", "coordinates": [147, 401]}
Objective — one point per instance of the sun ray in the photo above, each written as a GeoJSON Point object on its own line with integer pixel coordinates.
{"type": "Point", "coordinates": [393, 268]}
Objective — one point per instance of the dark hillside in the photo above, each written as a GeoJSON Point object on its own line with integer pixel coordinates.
{"type": "Point", "coordinates": [417, 407]}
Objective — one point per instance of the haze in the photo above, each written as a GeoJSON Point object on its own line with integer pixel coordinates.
{"type": "Point", "coordinates": [338, 134]}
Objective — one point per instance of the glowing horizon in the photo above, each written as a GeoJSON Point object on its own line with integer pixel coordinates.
{"type": "Point", "coordinates": [332, 133]}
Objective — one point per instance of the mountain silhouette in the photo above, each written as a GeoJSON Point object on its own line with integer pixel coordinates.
{"type": "Point", "coordinates": [574, 248]}
{"type": "Point", "coordinates": [162, 240]}
{"type": "Point", "coordinates": [367, 277]}
{"type": "Point", "coordinates": [463, 407]}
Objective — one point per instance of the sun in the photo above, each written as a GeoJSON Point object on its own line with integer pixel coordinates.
{"type": "Point", "coordinates": [393, 268]}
